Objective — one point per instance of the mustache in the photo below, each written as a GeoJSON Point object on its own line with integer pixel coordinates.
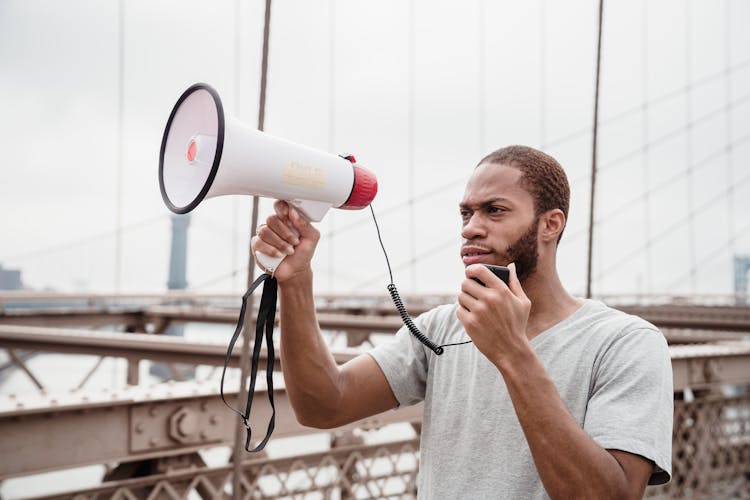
{"type": "Point", "coordinates": [474, 246]}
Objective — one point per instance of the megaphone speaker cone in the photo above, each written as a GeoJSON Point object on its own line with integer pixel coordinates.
{"type": "Point", "coordinates": [191, 148]}
{"type": "Point", "coordinates": [205, 153]}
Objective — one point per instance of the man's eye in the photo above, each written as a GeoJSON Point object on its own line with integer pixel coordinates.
{"type": "Point", "coordinates": [495, 210]}
{"type": "Point", "coordinates": [465, 214]}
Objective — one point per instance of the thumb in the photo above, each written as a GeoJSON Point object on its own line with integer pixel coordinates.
{"type": "Point", "coordinates": [513, 283]}
{"type": "Point", "coordinates": [300, 223]}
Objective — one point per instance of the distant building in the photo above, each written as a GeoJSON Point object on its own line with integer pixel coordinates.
{"type": "Point", "coordinates": [10, 279]}
{"type": "Point", "coordinates": [741, 269]}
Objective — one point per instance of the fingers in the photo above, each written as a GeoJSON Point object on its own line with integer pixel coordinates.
{"type": "Point", "coordinates": [275, 238]}
{"type": "Point", "coordinates": [281, 208]}
{"type": "Point", "coordinates": [514, 284]}
{"type": "Point", "coordinates": [466, 301]}
{"type": "Point", "coordinates": [484, 275]}
{"type": "Point", "coordinates": [278, 231]}
{"type": "Point", "coordinates": [296, 219]}
{"type": "Point", "coordinates": [472, 293]}
{"type": "Point", "coordinates": [302, 225]}
{"type": "Point", "coordinates": [258, 245]}
{"type": "Point", "coordinates": [472, 288]}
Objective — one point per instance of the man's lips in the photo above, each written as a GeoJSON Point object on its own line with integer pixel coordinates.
{"type": "Point", "coordinates": [473, 255]}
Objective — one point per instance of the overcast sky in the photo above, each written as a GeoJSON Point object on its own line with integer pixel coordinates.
{"type": "Point", "coordinates": [419, 92]}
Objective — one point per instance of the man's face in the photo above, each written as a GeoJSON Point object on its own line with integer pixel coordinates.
{"type": "Point", "coordinates": [499, 223]}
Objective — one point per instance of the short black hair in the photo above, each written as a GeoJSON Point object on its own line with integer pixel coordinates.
{"type": "Point", "coordinates": [542, 176]}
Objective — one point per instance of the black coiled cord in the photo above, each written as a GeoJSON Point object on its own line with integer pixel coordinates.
{"type": "Point", "coordinates": [437, 349]}
{"type": "Point", "coordinates": [409, 323]}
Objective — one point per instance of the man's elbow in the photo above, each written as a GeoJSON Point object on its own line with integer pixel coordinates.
{"type": "Point", "coordinates": [317, 415]}
{"type": "Point", "coordinates": [316, 421]}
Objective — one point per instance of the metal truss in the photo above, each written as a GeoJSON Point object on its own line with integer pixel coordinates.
{"type": "Point", "coordinates": [46, 432]}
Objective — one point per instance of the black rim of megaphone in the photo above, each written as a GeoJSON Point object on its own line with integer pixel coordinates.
{"type": "Point", "coordinates": [217, 157]}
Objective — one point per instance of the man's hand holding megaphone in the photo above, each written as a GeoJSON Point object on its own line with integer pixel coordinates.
{"type": "Point", "coordinates": [277, 238]}
{"type": "Point", "coordinates": [206, 153]}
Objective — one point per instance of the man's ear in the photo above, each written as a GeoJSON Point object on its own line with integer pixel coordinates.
{"type": "Point", "coordinates": [553, 223]}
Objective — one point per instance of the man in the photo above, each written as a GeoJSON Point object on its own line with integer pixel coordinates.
{"type": "Point", "coordinates": [557, 396]}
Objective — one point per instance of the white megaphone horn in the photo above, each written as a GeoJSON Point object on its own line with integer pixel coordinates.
{"type": "Point", "coordinates": [205, 153]}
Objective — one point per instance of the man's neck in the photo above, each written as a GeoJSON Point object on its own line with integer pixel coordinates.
{"type": "Point", "coordinates": [550, 302]}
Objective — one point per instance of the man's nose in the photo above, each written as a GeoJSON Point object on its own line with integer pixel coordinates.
{"type": "Point", "coordinates": [474, 228]}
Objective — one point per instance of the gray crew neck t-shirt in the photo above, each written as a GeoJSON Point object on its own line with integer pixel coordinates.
{"type": "Point", "coordinates": [612, 371]}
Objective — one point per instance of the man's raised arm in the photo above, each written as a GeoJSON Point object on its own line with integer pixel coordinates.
{"type": "Point", "coordinates": [322, 394]}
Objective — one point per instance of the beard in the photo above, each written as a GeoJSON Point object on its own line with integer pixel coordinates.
{"type": "Point", "coordinates": [524, 252]}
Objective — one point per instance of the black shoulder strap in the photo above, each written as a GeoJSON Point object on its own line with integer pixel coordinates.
{"type": "Point", "coordinates": [265, 322]}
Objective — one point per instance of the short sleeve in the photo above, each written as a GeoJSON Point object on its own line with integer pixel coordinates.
{"type": "Point", "coordinates": [631, 404]}
{"type": "Point", "coordinates": [404, 363]}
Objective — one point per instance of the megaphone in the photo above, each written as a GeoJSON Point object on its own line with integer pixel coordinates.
{"type": "Point", "coordinates": [205, 153]}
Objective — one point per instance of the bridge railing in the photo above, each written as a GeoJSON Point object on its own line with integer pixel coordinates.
{"type": "Point", "coordinates": [168, 425]}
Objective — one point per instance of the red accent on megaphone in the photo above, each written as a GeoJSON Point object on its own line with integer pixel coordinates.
{"type": "Point", "coordinates": [364, 190]}
{"type": "Point", "coordinates": [192, 147]}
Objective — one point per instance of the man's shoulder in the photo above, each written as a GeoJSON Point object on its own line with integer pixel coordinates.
{"type": "Point", "coordinates": [441, 312]}
{"type": "Point", "coordinates": [618, 321]}
{"type": "Point", "coordinates": [609, 327]}
{"type": "Point", "coordinates": [624, 333]}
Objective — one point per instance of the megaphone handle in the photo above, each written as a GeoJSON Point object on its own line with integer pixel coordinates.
{"type": "Point", "coordinates": [272, 263]}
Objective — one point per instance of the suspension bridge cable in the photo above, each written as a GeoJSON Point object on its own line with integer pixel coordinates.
{"type": "Point", "coordinates": [448, 244]}
{"type": "Point", "coordinates": [627, 205]}
{"type": "Point", "coordinates": [331, 127]}
{"type": "Point", "coordinates": [689, 194]}
{"type": "Point", "coordinates": [728, 122]}
{"type": "Point", "coordinates": [543, 145]}
{"type": "Point", "coordinates": [120, 131]}
{"type": "Point", "coordinates": [219, 278]}
{"type": "Point", "coordinates": [710, 257]}
{"type": "Point", "coordinates": [643, 149]}
{"type": "Point", "coordinates": [674, 133]}
{"type": "Point", "coordinates": [672, 228]}
{"type": "Point", "coordinates": [237, 107]}
{"type": "Point", "coordinates": [412, 118]}
{"type": "Point", "coordinates": [83, 241]}
{"type": "Point", "coordinates": [452, 184]}
{"type": "Point", "coordinates": [572, 236]}
{"type": "Point", "coordinates": [592, 198]}
{"type": "Point", "coordinates": [645, 135]}
{"type": "Point", "coordinates": [399, 206]}
{"type": "Point", "coordinates": [247, 325]}
{"type": "Point", "coordinates": [481, 74]}
{"type": "Point", "coordinates": [651, 103]}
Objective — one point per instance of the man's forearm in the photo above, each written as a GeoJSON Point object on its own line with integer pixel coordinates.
{"type": "Point", "coordinates": [310, 372]}
{"type": "Point", "coordinates": [569, 462]}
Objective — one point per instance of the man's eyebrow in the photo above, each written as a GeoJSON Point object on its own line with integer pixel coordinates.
{"type": "Point", "coordinates": [484, 203]}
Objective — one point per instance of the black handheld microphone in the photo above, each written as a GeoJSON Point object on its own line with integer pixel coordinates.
{"type": "Point", "coordinates": [501, 272]}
